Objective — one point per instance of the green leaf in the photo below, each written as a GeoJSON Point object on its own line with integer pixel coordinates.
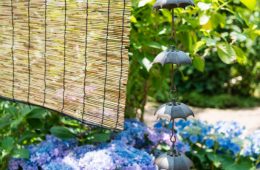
{"type": "Point", "coordinates": [100, 137]}
{"type": "Point", "coordinates": [15, 123]}
{"type": "Point", "coordinates": [218, 19]}
{"type": "Point", "coordinates": [251, 4]}
{"type": "Point", "coordinates": [241, 56]}
{"type": "Point", "coordinates": [200, 154]}
{"type": "Point", "coordinates": [26, 110]}
{"type": "Point", "coordinates": [7, 143]}
{"type": "Point", "coordinates": [186, 38]}
{"type": "Point", "coordinates": [226, 53]}
{"type": "Point", "coordinates": [5, 121]}
{"type": "Point", "coordinates": [199, 63]}
{"type": "Point", "coordinates": [240, 165]}
{"type": "Point", "coordinates": [211, 42]}
{"type": "Point", "coordinates": [13, 110]}
{"type": "Point", "coordinates": [154, 45]}
{"type": "Point", "coordinates": [216, 159]}
{"type": "Point", "coordinates": [35, 123]}
{"type": "Point", "coordinates": [27, 136]}
{"type": "Point", "coordinates": [133, 19]}
{"type": "Point", "coordinates": [21, 153]}
{"type": "Point", "coordinates": [37, 113]}
{"type": "Point", "coordinates": [198, 46]}
{"type": "Point", "coordinates": [61, 132]}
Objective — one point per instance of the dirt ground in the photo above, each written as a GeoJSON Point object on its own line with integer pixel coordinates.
{"type": "Point", "coordinates": [249, 117]}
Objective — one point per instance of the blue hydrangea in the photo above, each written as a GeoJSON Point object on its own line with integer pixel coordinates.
{"type": "Point", "coordinates": [209, 143]}
{"type": "Point", "coordinates": [133, 148]}
{"type": "Point", "coordinates": [17, 164]}
{"type": "Point", "coordinates": [235, 148]}
{"type": "Point", "coordinates": [230, 129]}
{"type": "Point", "coordinates": [252, 145]}
{"type": "Point", "coordinates": [57, 165]}
{"type": "Point", "coordinates": [182, 147]}
{"type": "Point", "coordinates": [224, 134]}
{"type": "Point", "coordinates": [49, 149]}
{"type": "Point", "coordinates": [133, 134]}
{"type": "Point", "coordinates": [193, 138]}
{"type": "Point", "coordinates": [223, 142]}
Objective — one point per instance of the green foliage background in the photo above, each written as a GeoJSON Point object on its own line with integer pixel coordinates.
{"type": "Point", "coordinates": [222, 37]}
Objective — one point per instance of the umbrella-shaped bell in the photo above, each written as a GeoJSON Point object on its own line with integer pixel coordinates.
{"type": "Point", "coordinates": [172, 56]}
{"type": "Point", "coordinates": [175, 162]}
{"type": "Point", "coordinates": [174, 110]}
{"type": "Point", "coordinates": [170, 4]}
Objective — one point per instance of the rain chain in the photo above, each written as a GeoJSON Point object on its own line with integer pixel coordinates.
{"type": "Point", "coordinates": [174, 110]}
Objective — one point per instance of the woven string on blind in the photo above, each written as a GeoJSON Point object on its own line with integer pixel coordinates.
{"type": "Point", "coordinates": [68, 56]}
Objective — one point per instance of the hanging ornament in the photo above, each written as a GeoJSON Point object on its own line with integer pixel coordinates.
{"type": "Point", "coordinates": [174, 110]}
{"type": "Point", "coordinates": [173, 162]}
{"type": "Point", "coordinates": [170, 4]}
{"type": "Point", "coordinates": [172, 56]}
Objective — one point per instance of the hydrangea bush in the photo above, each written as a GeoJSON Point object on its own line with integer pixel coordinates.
{"type": "Point", "coordinates": [222, 145]}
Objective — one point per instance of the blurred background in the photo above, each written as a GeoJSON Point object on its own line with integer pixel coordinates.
{"type": "Point", "coordinates": [222, 38]}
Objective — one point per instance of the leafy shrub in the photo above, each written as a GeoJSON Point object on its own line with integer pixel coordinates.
{"type": "Point", "coordinates": [219, 100]}
{"type": "Point", "coordinates": [222, 145]}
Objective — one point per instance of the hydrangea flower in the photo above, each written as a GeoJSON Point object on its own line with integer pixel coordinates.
{"type": "Point", "coordinates": [54, 153]}
{"type": "Point", "coordinates": [252, 145]}
{"type": "Point", "coordinates": [57, 164]}
{"type": "Point", "coordinates": [228, 136]}
{"type": "Point", "coordinates": [209, 143]}
{"type": "Point", "coordinates": [139, 135]}
{"type": "Point", "coordinates": [133, 148]}
{"type": "Point", "coordinates": [95, 160]}
{"type": "Point", "coordinates": [231, 129]}
{"type": "Point", "coordinates": [193, 138]}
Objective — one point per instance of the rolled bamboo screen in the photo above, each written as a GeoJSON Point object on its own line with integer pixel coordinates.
{"type": "Point", "coordinates": [66, 55]}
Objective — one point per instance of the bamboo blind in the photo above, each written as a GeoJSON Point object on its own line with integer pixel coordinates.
{"type": "Point", "coordinates": [67, 55]}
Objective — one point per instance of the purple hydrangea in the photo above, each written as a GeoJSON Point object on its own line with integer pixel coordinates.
{"type": "Point", "coordinates": [54, 153]}
{"type": "Point", "coordinates": [140, 136]}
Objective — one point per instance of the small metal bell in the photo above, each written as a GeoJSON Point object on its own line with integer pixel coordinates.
{"type": "Point", "coordinates": [174, 110]}
{"type": "Point", "coordinates": [173, 162]}
{"type": "Point", "coordinates": [170, 4]}
{"type": "Point", "coordinates": [172, 56]}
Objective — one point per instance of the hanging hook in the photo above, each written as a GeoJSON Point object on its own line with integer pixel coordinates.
{"type": "Point", "coordinates": [173, 89]}
{"type": "Point", "coordinates": [173, 28]}
{"type": "Point", "coordinates": [173, 137]}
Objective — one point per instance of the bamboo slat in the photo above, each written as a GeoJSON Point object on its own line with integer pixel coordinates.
{"type": "Point", "coordinates": [67, 55]}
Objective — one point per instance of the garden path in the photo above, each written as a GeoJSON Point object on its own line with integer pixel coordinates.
{"type": "Point", "coordinates": [249, 117]}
